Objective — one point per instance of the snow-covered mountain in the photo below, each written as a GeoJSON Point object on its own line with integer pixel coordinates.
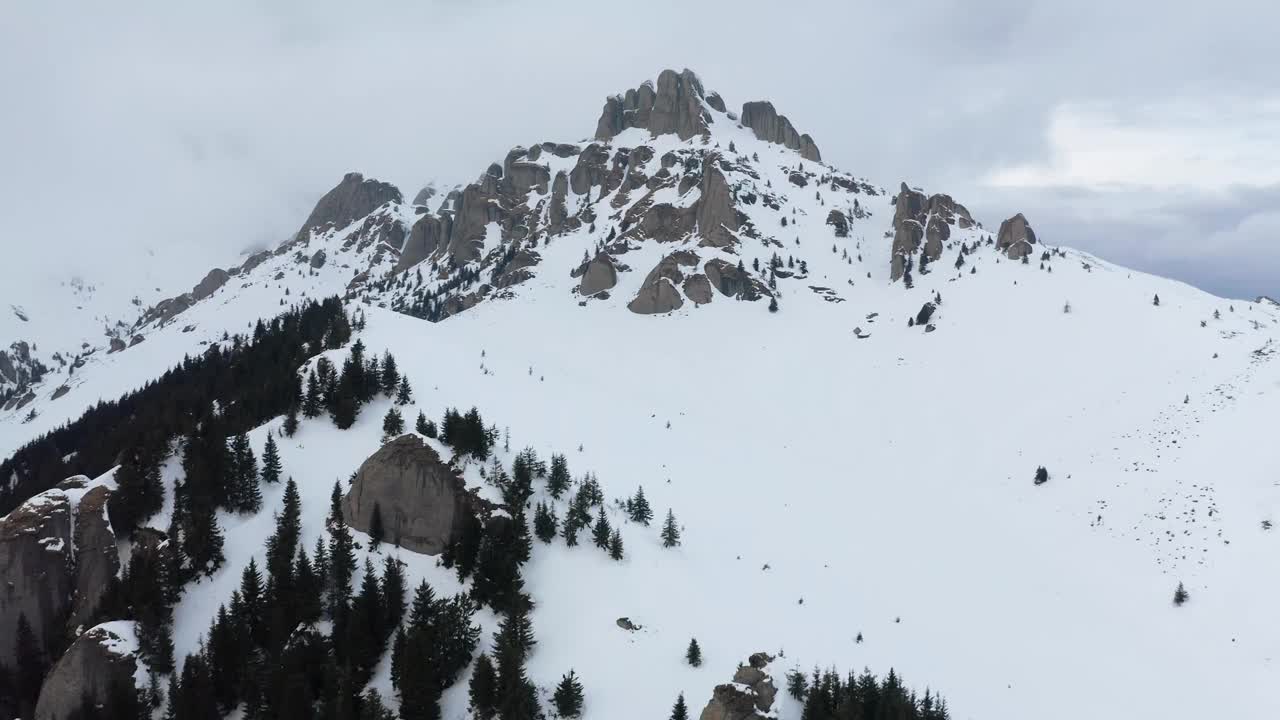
{"type": "Point", "coordinates": [842, 389]}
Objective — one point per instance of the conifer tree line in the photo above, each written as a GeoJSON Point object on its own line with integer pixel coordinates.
{"type": "Point", "coordinates": [252, 378]}
{"type": "Point", "coordinates": [828, 696]}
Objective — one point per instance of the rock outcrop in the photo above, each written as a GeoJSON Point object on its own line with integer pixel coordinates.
{"type": "Point", "coordinates": [839, 222]}
{"type": "Point", "coordinates": [659, 293]}
{"type": "Point", "coordinates": [97, 559]}
{"type": "Point", "coordinates": [750, 695]}
{"type": "Point", "coordinates": [763, 120]}
{"type": "Point", "coordinates": [734, 281]}
{"type": "Point", "coordinates": [18, 368]}
{"type": "Point", "coordinates": [422, 500]}
{"type": "Point", "coordinates": [215, 279]}
{"type": "Point", "coordinates": [99, 663]}
{"type": "Point", "coordinates": [676, 105]}
{"type": "Point", "coordinates": [36, 569]}
{"type": "Point", "coordinates": [351, 199]}
{"type": "Point", "coordinates": [717, 218]}
{"type": "Point", "coordinates": [1016, 237]}
{"type": "Point", "coordinates": [427, 235]}
{"type": "Point", "coordinates": [923, 220]}
{"type": "Point", "coordinates": [425, 194]}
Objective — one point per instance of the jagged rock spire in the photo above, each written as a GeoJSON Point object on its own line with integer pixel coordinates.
{"type": "Point", "coordinates": [677, 105]}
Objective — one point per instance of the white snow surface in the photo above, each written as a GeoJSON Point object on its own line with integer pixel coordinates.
{"type": "Point", "coordinates": [885, 482]}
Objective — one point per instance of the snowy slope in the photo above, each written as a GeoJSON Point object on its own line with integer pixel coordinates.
{"type": "Point", "coordinates": [885, 481]}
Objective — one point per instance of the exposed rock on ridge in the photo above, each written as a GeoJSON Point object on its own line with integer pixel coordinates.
{"type": "Point", "coordinates": [675, 106]}
{"type": "Point", "coordinates": [769, 126]}
{"type": "Point", "coordinates": [351, 199]}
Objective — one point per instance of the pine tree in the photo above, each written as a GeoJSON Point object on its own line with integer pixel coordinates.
{"type": "Point", "coordinates": [311, 398]}
{"type": "Point", "coordinates": [483, 689]}
{"type": "Point", "coordinates": [271, 462]}
{"type": "Point", "coordinates": [390, 375]}
{"type": "Point", "coordinates": [601, 531]}
{"type": "Point", "coordinates": [245, 496]}
{"type": "Point", "coordinates": [670, 533]}
{"type": "Point", "coordinates": [615, 545]}
{"type": "Point", "coordinates": [31, 665]}
{"type": "Point", "coordinates": [342, 559]}
{"type": "Point", "coordinates": [694, 654]}
{"type": "Point", "coordinates": [1180, 595]}
{"type": "Point", "coordinates": [544, 522]}
{"type": "Point", "coordinates": [680, 711]}
{"type": "Point", "coordinates": [202, 539]}
{"type": "Point", "coordinates": [393, 591]}
{"type": "Point", "coordinates": [376, 530]}
{"type": "Point", "coordinates": [367, 631]}
{"type": "Point", "coordinates": [421, 424]}
{"type": "Point", "coordinates": [1042, 475]}
{"type": "Point", "coordinates": [639, 508]}
{"type": "Point", "coordinates": [308, 590]}
{"type": "Point", "coordinates": [568, 696]}
{"type": "Point", "coordinates": [283, 543]}
{"type": "Point", "coordinates": [290, 426]}
{"type": "Point", "coordinates": [392, 425]}
{"type": "Point", "coordinates": [1156, 301]}
{"type": "Point", "coordinates": [570, 530]}
{"type": "Point", "coordinates": [404, 393]}
{"type": "Point", "coordinates": [558, 481]}
{"type": "Point", "coordinates": [347, 394]}
{"type": "Point", "coordinates": [797, 684]}
{"type": "Point", "coordinates": [373, 707]}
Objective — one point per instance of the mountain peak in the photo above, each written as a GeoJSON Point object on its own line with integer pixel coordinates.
{"type": "Point", "coordinates": [677, 104]}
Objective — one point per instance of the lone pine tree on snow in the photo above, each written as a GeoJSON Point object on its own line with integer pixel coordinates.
{"type": "Point", "coordinates": [568, 696]}
{"type": "Point", "coordinates": [1180, 595]}
{"type": "Point", "coordinates": [680, 711]}
{"type": "Point", "coordinates": [670, 533]}
{"type": "Point", "coordinates": [694, 654]}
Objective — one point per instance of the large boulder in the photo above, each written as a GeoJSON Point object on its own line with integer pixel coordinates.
{"type": "Point", "coordinates": [598, 274]}
{"type": "Point", "coordinates": [101, 662]}
{"type": "Point", "coordinates": [763, 120]}
{"type": "Point", "coordinates": [351, 199]}
{"type": "Point", "coordinates": [36, 569]}
{"type": "Point", "coordinates": [97, 559]}
{"type": "Point", "coordinates": [659, 293]}
{"type": "Point", "coordinates": [1016, 237]}
{"type": "Point", "coordinates": [421, 499]}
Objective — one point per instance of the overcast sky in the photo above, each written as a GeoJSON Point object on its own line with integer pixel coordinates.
{"type": "Point", "coordinates": [143, 135]}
